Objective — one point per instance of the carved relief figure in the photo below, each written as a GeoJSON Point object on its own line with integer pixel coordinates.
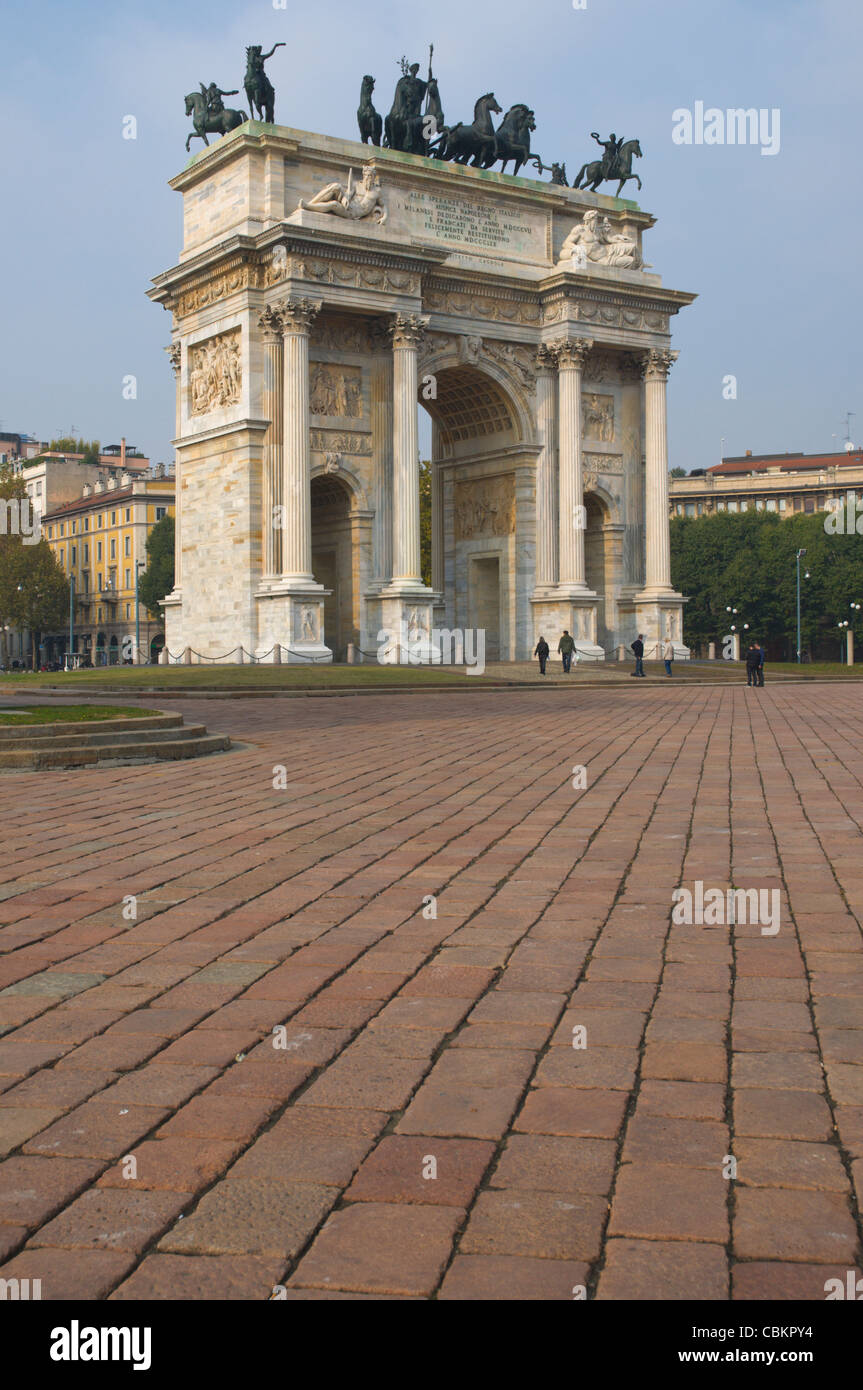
{"type": "Point", "coordinates": [484, 508]}
{"type": "Point", "coordinates": [598, 414]}
{"type": "Point", "coordinates": [600, 245]}
{"type": "Point", "coordinates": [215, 373]}
{"type": "Point", "coordinates": [309, 625]}
{"type": "Point", "coordinates": [335, 391]}
{"type": "Point", "coordinates": [351, 202]}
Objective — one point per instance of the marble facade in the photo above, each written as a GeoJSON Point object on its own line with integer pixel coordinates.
{"type": "Point", "coordinates": [321, 297]}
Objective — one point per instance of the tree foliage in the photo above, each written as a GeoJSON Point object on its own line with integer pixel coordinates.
{"type": "Point", "coordinates": [157, 579]}
{"type": "Point", "coordinates": [747, 561]}
{"type": "Point", "coordinates": [425, 521]}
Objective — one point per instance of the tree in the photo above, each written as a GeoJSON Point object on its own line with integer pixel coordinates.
{"type": "Point", "coordinates": [678, 473]}
{"type": "Point", "coordinates": [748, 561]}
{"type": "Point", "coordinates": [425, 521]}
{"type": "Point", "coordinates": [157, 579]}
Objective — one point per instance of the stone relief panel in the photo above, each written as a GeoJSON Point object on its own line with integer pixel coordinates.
{"type": "Point", "coordinates": [242, 277]}
{"type": "Point", "coordinates": [598, 416]}
{"type": "Point", "coordinates": [450, 301]}
{"type": "Point", "coordinates": [341, 334]}
{"type": "Point", "coordinates": [336, 442]}
{"type": "Point", "coordinates": [335, 390]}
{"type": "Point", "coordinates": [215, 373]}
{"type": "Point", "coordinates": [484, 508]}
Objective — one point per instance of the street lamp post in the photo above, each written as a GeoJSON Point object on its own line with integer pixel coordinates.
{"type": "Point", "coordinates": [799, 553]}
{"type": "Point", "coordinates": [139, 565]}
{"type": "Point", "coordinates": [735, 631]}
{"type": "Point", "coordinates": [70, 662]}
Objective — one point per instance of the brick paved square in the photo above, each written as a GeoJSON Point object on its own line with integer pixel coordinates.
{"type": "Point", "coordinates": [406, 1038]}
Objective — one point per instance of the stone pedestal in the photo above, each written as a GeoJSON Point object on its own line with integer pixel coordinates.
{"type": "Point", "coordinates": [294, 620]}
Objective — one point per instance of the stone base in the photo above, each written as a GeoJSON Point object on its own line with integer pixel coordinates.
{"type": "Point", "coordinates": [405, 634]}
{"type": "Point", "coordinates": [660, 617]}
{"type": "Point", "coordinates": [293, 618]}
{"type": "Point", "coordinates": [576, 613]}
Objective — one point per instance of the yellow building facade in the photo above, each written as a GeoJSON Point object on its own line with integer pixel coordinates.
{"type": "Point", "coordinates": [100, 543]}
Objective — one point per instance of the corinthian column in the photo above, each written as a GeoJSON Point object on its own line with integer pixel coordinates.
{"type": "Point", "coordinates": [273, 409]}
{"type": "Point", "coordinates": [546, 511]}
{"type": "Point", "coordinates": [571, 354]}
{"type": "Point", "coordinates": [175, 353]}
{"type": "Point", "coordinates": [407, 331]}
{"type": "Point", "coordinates": [296, 316]}
{"type": "Point", "coordinates": [656, 365]}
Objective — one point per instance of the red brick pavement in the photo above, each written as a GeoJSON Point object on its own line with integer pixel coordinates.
{"type": "Point", "coordinates": [288, 1073]}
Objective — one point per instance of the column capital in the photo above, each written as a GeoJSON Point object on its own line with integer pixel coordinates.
{"type": "Point", "coordinates": [271, 324]}
{"type": "Point", "coordinates": [296, 314]}
{"type": "Point", "coordinates": [572, 352]}
{"type": "Point", "coordinates": [408, 330]}
{"type": "Point", "coordinates": [544, 358]}
{"type": "Point", "coordinates": [657, 363]}
{"type": "Point", "coordinates": [175, 355]}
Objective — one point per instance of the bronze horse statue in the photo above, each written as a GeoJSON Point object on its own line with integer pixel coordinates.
{"type": "Point", "coordinates": [217, 124]}
{"type": "Point", "coordinates": [461, 142]}
{"type": "Point", "coordinates": [591, 176]}
{"type": "Point", "coordinates": [370, 121]}
{"type": "Point", "coordinates": [259, 88]}
{"type": "Point", "coordinates": [512, 137]}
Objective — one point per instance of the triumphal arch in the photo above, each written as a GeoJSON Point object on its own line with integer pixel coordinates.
{"type": "Point", "coordinates": [325, 293]}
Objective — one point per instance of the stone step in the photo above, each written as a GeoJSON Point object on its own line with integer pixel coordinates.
{"type": "Point", "coordinates": [118, 753]}
{"type": "Point", "coordinates": [127, 737]}
{"type": "Point", "coordinates": [9, 733]}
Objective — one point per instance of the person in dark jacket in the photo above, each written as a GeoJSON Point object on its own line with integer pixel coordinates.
{"type": "Point", "coordinates": [542, 650]}
{"type": "Point", "coordinates": [753, 660]}
{"type": "Point", "coordinates": [637, 650]}
{"type": "Point", "coordinates": [760, 671]}
{"type": "Point", "coordinates": [566, 647]}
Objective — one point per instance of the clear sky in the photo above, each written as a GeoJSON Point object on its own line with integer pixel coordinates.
{"type": "Point", "coordinates": [88, 218]}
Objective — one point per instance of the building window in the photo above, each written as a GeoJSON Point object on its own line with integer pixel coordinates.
{"type": "Point", "coordinates": [160, 512]}
{"type": "Point", "coordinates": [128, 583]}
{"type": "Point", "coordinates": [86, 523]}
{"type": "Point", "coordinates": [720, 506]}
{"type": "Point", "coordinates": [98, 610]}
{"type": "Point", "coordinates": [113, 548]}
{"type": "Point", "coordinates": [62, 553]}
{"type": "Point", "coordinates": [85, 581]}
{"type": "Point", "coordinates": [113, 518]}
{"type": "Point", "coordinates": [128, 607]}
{"type": "Point", "coordinates": [798, 504]}
{"type": "Point", "coordinates": [127, 547]}
{"type": "Point", "coordinates": [744, 505]}
{"type": "Point", "coordinates": [74, 550]}
{"type": "Point", "coordinates": [98, 550]}
{"type": "Point", "coordinates": [782, 504]}
{"type": "Point", "coordinates": [771, 504]}
{"type": "Point", "coordinates": [62, 528]}
{"type": "Point", "coordinates": [808, 504]}
{"type": "Point", "coordinates": [690, 509]}
{"type": "Point", "coordinates": [74, 528]}
{"type": "Point", "coordinates": [50, 533]}
{"type": "Point", "coordinates": [128, 513]}
{"type": "Point", "coordinates": [86, 553]}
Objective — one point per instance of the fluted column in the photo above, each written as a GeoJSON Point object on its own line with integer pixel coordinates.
{"type": "Point", "coordinates": [272, 329]}
{"type": "Point", "coordinates": [571, 354]}
{"type": "Point", "coordinates": [437, 527]}
{"type": "Point", "coordinates": [382, 434]}
{"type": "Point", "coordinates": [546, 490]}
{"type": "Point", "coordinates": [407, 331]}
{"type": "Point", "coordinates": [296, 316]}
{"type": "Point", "coordinates": [175, 353]}
{"type": "Point", "coordinates": [656, 365]}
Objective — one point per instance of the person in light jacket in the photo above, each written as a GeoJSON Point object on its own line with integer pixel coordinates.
{"type": "Point", "coordinates": [668, 655]}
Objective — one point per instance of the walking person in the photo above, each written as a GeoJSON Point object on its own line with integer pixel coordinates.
{"type": "Point", "coordinates": [542, 650]}
{"type": "Point", "coordinates": [752, 663]}
{"type": "Point", "coordinates": [637, 650]}
{"type": "Point", "coordinates": [566, 647]}
{"type": "Point", "coordinates": [760, 672]}
{"type": "Point", "coordinates": [668, 655]}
